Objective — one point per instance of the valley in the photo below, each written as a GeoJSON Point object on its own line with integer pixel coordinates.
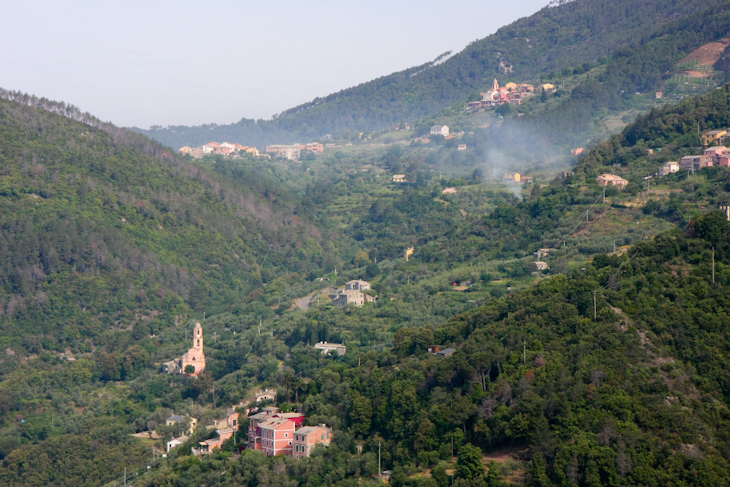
{"type": "Point", "coordinates": [424, 292]}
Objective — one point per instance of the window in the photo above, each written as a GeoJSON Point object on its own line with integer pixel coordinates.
{"type": "Point", "coordinates": [290, 443]}
{"type": "Point", "coordinates": [323, 437]}
{"type": "Point", "coordinates": [286, 435]}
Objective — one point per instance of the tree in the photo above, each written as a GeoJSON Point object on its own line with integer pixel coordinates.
{"type": "Point", "coordinates": [189, 369]}
{"type": "Point", "coordinates": [439, 474]}
{"type": "Point", "coordinates": [361, 416]}
{"type": "Point", "coordinates": [469, 464]}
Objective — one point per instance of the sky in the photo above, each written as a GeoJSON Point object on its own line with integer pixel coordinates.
{"type": "Point", "coordinates": [182, 62]}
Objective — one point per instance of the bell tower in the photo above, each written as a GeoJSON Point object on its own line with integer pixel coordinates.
{"type": "Point", "coordinates": [198, 337]}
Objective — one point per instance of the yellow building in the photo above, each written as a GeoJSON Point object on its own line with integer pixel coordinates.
{"type": "Point", "coordinates": [713, 137]}
{"type": "Point", "coordinates": [409, 251]}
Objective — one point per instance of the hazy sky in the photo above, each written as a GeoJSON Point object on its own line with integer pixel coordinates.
{"type": "Point", "coordinates": [165, 62]}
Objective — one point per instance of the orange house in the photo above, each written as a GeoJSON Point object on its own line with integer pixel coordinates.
{"type": "Point", "coordinates": [308, 437]}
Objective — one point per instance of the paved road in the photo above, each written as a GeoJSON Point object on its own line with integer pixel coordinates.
{"type": "Point", "coordinates": [304, 303]}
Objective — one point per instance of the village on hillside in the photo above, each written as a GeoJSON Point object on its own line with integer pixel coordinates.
{"type": "Point", "coordinates": [511, 93]}
{"type": "Point", "coordinates": [290, 152]}
{"type": "Point", "coordinates": [714, 154]}
{"type": "Point", "coordinates": [270, 430]}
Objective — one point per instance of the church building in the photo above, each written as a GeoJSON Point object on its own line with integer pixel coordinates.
{"type": "Point", "coordinates": [193, 357]}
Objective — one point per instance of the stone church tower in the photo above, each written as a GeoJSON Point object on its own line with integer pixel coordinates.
{"type": "Point", "coordinates": [195, 355]}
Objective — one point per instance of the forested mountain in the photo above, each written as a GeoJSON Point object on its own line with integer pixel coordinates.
{"type": "Point", "coordinates": [103, 229]}
{"type": "Point", "coordinates": [555, 38]}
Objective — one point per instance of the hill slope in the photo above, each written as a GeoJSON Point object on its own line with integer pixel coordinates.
{"type": "Point", "coordinates": [554, 38]}
{"type": "Point", "coordinates": [104, 230]}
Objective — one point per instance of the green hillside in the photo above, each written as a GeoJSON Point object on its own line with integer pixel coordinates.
{"type": "Point", "coordinates": [607, 368]}
{"type": "Point", "coordinates": [553, 39]}
{"type": "Point", "coordinates": [104, 230]}
{"type": "Point", "coordinates": [631, 391]}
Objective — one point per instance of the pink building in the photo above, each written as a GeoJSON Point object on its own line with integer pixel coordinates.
{"type": "Point", "coordinates": [257, 432]}
{"type": "Point", "coordinates": [254, 433]}
{"type": "Point", "coordinates": [611, 180]}
{"type": "Point", "coordinates": [195, 356]}
{"type": "Point", "coordinates": [315, 147]}
{"type": "Point", "coordinates": [277, 435]}
{"type": "Point", "coordinates": [307, 438]}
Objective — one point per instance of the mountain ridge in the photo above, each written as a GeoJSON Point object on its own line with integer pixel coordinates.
{"type": "Point", "coordinates": [398, 97]}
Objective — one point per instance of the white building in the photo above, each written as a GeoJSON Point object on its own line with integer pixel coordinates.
{"type": "Point", "coordinates": [440, 130]}
{"type": "Point", "coordinates": [290, 152]}
{"type": "Point", "coordinates": [357, 285]}
{"type": "Point", "coordinates": [669, 168]}
{"type": "Point", "coordinates": [176, 442]}
{"type": "Point", "coordinates": [326, 348]}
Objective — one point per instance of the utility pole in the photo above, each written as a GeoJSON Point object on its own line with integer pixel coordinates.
{"type": "Point", "coordinates": [604, 195]}
{"type": "Point", "coordinates": [594, 305]}
{"type": "Point", "coordinates": [125, 476]}
{"type": "Point", "coordinates": [524, 351]}
{"type": "Point", "coordinates": [614, 246]}
{"type": "Point", "coordinates": [379, 462]}
{"type": "Point", "coordinates": [259, 325]}
{"type": "Point", "coordinates": [713, 265]}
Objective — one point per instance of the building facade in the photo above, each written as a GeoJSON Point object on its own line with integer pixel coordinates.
{"type": "Point", "coordinates": [611, 180]}
{"type": "Point", "coordinates": [308, 437]}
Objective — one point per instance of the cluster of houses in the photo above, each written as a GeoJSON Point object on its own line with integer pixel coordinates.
{"type": "Point", "coordinates": [225, 428]}
{"type": "Point", "coordinates": [214, 148]}
{"type": "Point", "coordinates": [511, 93]}
{"type": "Point", "coordinates": [352, 294]}
{"type": "Point", "coordinates": [275, 433]}
{"type": "Point", "coordinates": [291, 152]}
{"type": "Point", "coordinates": [270, 431]}
{"type": "Point", "coordinates": [718, 155]}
